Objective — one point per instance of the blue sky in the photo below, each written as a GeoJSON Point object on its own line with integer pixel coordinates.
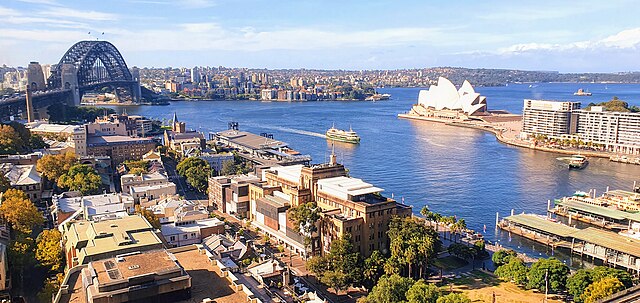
{"type": "Point", "coordinates": [568, 36]}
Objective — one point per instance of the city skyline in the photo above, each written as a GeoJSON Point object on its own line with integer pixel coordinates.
{"type": "Point", "coordinates": [331, 35]}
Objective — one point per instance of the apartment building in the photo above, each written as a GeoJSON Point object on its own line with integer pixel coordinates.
{"type": "Point", "coordinates": [618, 131]}
{"type": "Point", "coordinates": [550, 118]}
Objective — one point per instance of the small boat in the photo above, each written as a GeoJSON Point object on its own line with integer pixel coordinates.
{"type": "Point", "coordinates": [582, 92]}
{"type": "Point", "coordinates": [348, 136]}
{"type": "Point", "coordinates": [578, 162]}
{"type": "Point", "coordinates": [378, 97]}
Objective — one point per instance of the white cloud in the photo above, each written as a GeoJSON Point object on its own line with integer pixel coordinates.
{"type": "Point", "coordinates": [47, 2]}
{"type": "Point", "coordinates": [65, 12]}
{"type": "Point", "coordinates": [626, 39]}
{"type": "Point", "coordinates": [189, 4]}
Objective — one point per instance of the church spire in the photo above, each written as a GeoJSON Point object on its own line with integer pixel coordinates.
{"type": "Point", "coordinates": [175, 117]}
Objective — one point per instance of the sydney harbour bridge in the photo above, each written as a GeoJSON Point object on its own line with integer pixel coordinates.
{"type": "Point", "coordinates": [85, 67]}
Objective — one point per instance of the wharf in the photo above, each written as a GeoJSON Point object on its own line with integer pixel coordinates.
{"type": "Point", "coordinates": [600, 216]}
{"type": "Point", "coordinates": [609, 247]}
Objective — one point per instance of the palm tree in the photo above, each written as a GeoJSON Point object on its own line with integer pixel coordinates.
{"type": "Point", "coordinates": [426, 213]}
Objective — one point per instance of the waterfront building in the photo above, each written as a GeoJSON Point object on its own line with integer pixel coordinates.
{"type": "Point", "coordinates": [24, 178]}
{"type": "Point", "coordinates": [550, 118]}
{"type": "Point", "coordinates": [216, 161]}
{"type": "Point", "coordinates": [444, 101]}
{"type": "Point", "coordinates": [348, 205]}
{"type": "Point", "coordinates": [617, 131]}
{"type": "Point", "coordinates": [122, 278]}
{"type": "Point", "coordinates": [353, 206]}
{"type": "Point", "coordinates": [86, 241]}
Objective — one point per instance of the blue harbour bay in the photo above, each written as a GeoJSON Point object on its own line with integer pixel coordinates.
{"type": "Point", "coordinates": [455, 171]}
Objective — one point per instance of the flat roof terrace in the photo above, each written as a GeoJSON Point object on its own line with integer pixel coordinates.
{"type": "Point", "coordinates": [123, 268]}
{"type": "Point", "coordinates": [249, 140]}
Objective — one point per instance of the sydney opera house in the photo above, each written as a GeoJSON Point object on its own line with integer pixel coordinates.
{"type": "Point", "coordinates": [444, 101]}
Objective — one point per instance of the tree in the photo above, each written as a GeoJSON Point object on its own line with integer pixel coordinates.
{"type": "Point", "coordinates": [454, 298]}
{"type": "Point", "coordinates": [578, 282]}
{"type": "Point", "coordinates": [5, 183]}
{"type": "Point", "coordinates": [49, 249]}
{"type": "Point", "coordinates": [198, 177]}
{"type": "Point", "coordinates": [21, 254]}
{"type": "Point", "coordinates": [149, 215]}
{"type": "Point", "coordinates": [557, 275]}
{"type": "Point", "coordinates": [411, 244]}
{"type": "Point", "coordinates": [502, 256]}
{"type": "Point", "coordinates": [341, 263]}
{"type": "Point", "coordinates": [601, 272]}
{"type": "Point", "coordinates": [228, 168]}
{"type": "Point", "coordinates": [304, 217]}
{"type": "Point", "coordinates": [17, 210]}
{"type": "Point", "coordinates": [600, 289]}
{"type": "Point", "coordinates": [390, 289]}
{"type": "Point", "coordinates": [50, 288]}
{"type": "Point", "coordinates": [335, 279]}
{"type": "Point", "coordinates": [196, 171]}
{"type": "Point", "coordinates": [373, 269]}
{"type": "Point", "coordinates": [10, 141]}
{"type": "Point", "coordinates": [37, 142]}
{"type": "Point", "coordinates": [515, 271]}
{"type": "Point", "coordinates": [54, 166]}
{"type": "Point", "coordinates": [423, 292]}
{"type": "Point", "coordinates": [82, 178]}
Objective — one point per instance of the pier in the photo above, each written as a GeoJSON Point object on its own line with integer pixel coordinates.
{"type": "Point", "coordinates": [609, 247]}
{"type": "Point", "coordinates": [600, 216]}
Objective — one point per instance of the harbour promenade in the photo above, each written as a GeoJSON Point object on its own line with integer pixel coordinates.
{"type": "Point", "coordinates": [508, 132]}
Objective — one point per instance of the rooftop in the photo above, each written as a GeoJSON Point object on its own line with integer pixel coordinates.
{"type": "Point", "coordinates": [20, 174]}
{"type": "Point", "coordinates": [55, 128]}
{"type": "Point", "coordinates": [172, 228]}
{"type": "Point", "coordinates": [250, 140]}
{"type": "Point", "coordinates": [140, 189]}
{"type": "Point", "coordinates": [125, 267]}
{"type": "Point", "coordinates": [115, 139]}
{"type": "Point", "coordinates": [346, 187]}
{"type": "Point", "coordinates": [290, 173]}
{"type": "Point", "coordinates": [600, 210]}
{"type": "Point", "coordinates": [542, 224]}
{"type": "Point", "coordinates": [110, 236]}
{"type": "Point", "coordinates": [609, 240]}
{"type": "Point", "coordinates": [73, 201]}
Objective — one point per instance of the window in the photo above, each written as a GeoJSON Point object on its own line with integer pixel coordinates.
{"type": "Point", "coordinates": [184, 236]}
{"type": "Point", "coordinates": [172, 238]}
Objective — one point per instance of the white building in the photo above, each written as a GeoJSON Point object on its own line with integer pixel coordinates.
{"type": "Point", "coordinates": [129, 180]}
{"type": "Point", "coordinates": [445, 97]}
{"type": "Point", "coordinates": [152, 192]}
{"type": "Point", "coordinates": [617, 131]}
{"type": "Point", "coordinates": [191, 232]}
{"type": "Point", "coordinates": [550, 118]}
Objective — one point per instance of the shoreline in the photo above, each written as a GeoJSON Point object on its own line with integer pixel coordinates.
{"type": "Point", "coordinates": [498, 134]}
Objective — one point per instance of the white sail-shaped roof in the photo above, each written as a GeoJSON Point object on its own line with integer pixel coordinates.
{"type": "Point", "coordinates": [444, 95]}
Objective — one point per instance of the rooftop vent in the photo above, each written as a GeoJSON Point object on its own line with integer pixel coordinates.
{"type": "Point", "coordinates": [132, 267]}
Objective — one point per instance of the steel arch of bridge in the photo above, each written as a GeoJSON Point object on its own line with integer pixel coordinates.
{"type": "Point", "coordinates": [83, 55]}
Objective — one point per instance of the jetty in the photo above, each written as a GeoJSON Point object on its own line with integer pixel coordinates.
{"type": "Point", "coordinates": [609, 247]}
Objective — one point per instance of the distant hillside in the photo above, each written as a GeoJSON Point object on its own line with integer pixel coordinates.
{"type": "Point", "coordinates": [498, 77]}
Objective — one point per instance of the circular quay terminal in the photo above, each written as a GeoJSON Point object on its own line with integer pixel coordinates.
{"type": "Point", "coordinates": [201, 151]}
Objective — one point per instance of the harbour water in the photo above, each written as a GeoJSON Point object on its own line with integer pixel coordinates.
{"type": "Point", "coordinates": [455, 171]}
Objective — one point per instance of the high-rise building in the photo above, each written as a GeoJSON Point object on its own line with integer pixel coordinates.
{"type": "Point", "coordinates": [550, 118]}
{"type": "Point", "coordinates": [617, 131]}
{"type": "Point", "coordinates": [195, 75]}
